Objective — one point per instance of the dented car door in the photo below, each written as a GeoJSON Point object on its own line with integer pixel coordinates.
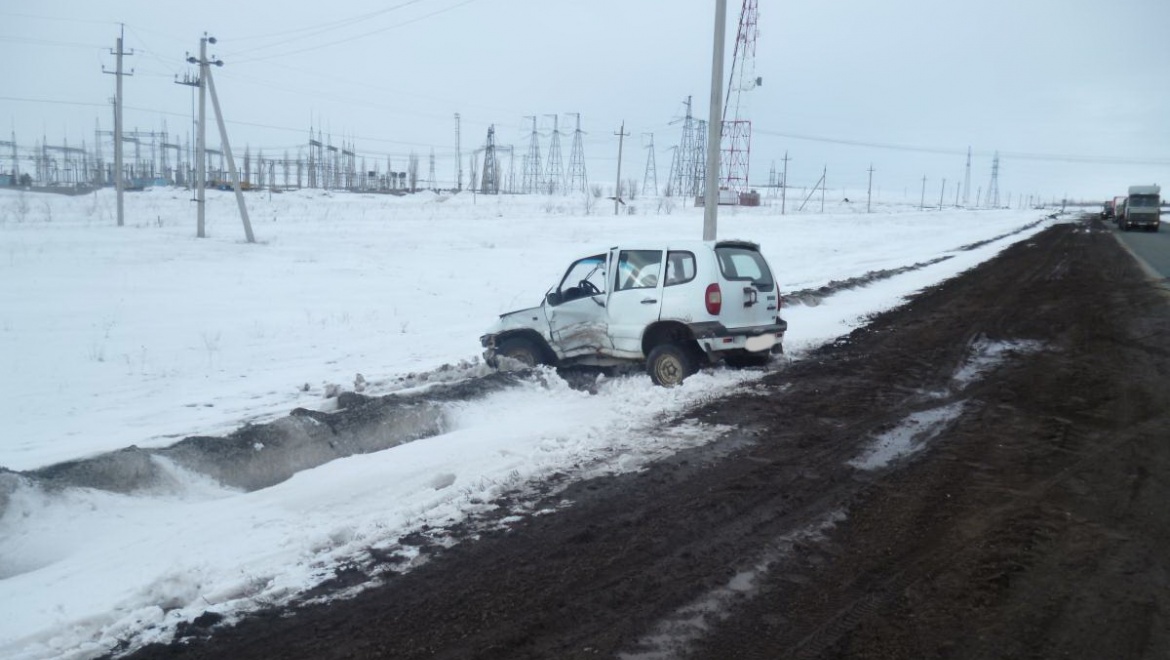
{"type": "Point", "coordinates": [576, 309]}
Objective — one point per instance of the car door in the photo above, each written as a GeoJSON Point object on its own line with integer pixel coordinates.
{"type": "Point", "coordinates": [636, 300]}
{"type": "Point", "coordinates": [576, 308]}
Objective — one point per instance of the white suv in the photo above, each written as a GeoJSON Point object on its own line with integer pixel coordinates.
{"type": "Point", "coordinates": [671, 306]}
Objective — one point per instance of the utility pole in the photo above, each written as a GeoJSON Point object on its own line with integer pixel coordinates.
{"type": "Point", "coordinates": [714, 125]}
{"type": "Point", "coordinates": [784, 182]}
{"type": "Point", "coordinates": [201, 145]}
{"type": "Point", "coordinates": [869, 189]}
{"type": "Point", "coordinates": [119, 184]}
{"type": "Point", "coordinates": [206, 79]}
{"type": "Point", "coordinates": [967, 180]}
{"type": "Point", "coordinates": [942, 191]}
{"type": "Point", "coordinates": [617, 192]}
{"type": "Point", "coordinates": [922, 203]}
{"type": "Point", "coordinates": [824, 184]}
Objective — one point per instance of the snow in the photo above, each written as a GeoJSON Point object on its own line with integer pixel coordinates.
{"type": "Point", "coordinates": [144, 334]}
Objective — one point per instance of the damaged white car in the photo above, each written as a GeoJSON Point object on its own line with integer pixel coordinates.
{"type": "Point", "coordinates": [673, 307]}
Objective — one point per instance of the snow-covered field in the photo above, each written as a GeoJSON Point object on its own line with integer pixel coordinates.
{"type": "Point", "coordinates": [144, 334]}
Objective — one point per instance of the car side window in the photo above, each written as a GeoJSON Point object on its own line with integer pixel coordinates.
{"type": "Point", "coordinates": [638, 269]}
{"type": "Point", "coordinates": [680, 267]}
{"type": "Point", "coordinates": [585, 277]}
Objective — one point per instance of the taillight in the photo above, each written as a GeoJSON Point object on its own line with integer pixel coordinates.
{"type": "Point", "coordinates": [713, 299]}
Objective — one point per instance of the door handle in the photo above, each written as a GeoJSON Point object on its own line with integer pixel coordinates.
{"type": "Point", "coordinates": [649, 301]}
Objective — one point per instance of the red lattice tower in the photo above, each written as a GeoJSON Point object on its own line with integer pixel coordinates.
{"type": "Point", "coordinates": [736, 143]}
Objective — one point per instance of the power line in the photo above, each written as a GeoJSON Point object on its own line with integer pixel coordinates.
{"type": "Point", "coordinates": [1017, 155]}
{"type": "Point", "coordinates": [359, 36]}
{"type": "Point", "coordinates": [314, 30]}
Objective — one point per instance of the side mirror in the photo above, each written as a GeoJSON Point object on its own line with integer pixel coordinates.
{"type": "Point", "coordinates": [553, 298]}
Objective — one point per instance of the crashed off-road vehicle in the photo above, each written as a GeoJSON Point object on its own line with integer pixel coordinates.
{"type": "Point", "coordinates": [673, 307]}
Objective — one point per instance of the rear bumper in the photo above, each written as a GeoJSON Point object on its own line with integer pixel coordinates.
{"type": "Point", "coordinates": [714, 337]}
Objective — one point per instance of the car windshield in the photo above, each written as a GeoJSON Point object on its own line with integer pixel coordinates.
{"type": "Point", "coordinates": [739, 263]}
{"type": "Point", "coordinates": [1143, 201]}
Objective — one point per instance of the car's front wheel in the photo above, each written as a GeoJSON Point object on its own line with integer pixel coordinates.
{"type": "Point", "coordinates": [670, 364]}
{"type": "Point", "coordinates": [522, 350]}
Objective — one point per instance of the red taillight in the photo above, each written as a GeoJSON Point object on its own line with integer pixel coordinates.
{"type": "Point", "coordinates": [713, 299]}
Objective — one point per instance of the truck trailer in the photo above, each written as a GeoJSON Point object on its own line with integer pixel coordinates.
{"type": "Point", "coordinates": [1143, 209]}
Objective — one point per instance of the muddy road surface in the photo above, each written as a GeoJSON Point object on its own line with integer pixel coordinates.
{"type": "Point", "coordinates": [981, 473]}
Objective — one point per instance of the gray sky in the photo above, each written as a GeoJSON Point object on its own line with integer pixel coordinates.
{"type": "Point", "coordinates": [1074, 94]}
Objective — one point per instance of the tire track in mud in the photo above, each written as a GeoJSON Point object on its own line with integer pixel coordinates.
{"type": "Point", "coordinates": [987, 549]}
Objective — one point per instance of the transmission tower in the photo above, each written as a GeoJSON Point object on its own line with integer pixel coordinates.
{"type": "Point", "coordinates": [554, 171]}
{"type": "Point", "coordinates": [993, 189]}
{"type": "Point", "coordinates": [458, 158]}
{"type": "Point", "coordinates": [737, 130]}
{"type": "Point", "coordinates": [532, 177]}
{"type": "Point", "coordinates": [490, 184]}
{"type": "Point", "coordinates": [699, 157]}
{"type": "Point", "coordinates": [651, 175]}
{"type": "Point", "coordinates": [431, 173]}
{"type": "Point", "coordinates": [683, 171]}
{"type": "Point", "coordinates": [577, 182]}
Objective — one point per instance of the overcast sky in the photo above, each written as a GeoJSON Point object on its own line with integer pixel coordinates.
{"type": "Point", "coordinates": [1074, 94]}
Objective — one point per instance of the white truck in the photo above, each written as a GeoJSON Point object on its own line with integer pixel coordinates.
{"type": "Point", "coordinates": [670, 306]}
{"type": "Point", "coordinates": [1143, 209]}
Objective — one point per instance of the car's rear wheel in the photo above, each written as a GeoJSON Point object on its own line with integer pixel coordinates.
{"type": "Point", "coordinates": [670, 364]}
{"type": "Point", "coordinates": [522, 350]}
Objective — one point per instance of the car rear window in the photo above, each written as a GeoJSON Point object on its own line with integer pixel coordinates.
{"type": "Point", "coordinates": [743, 264]}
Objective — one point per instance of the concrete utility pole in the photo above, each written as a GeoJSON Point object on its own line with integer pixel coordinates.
{"type": "Point", "coordinates": [617, 191]}
{"type": "Point", "coordinates": [922, 203]}
{"type": "Point", "coordinates": [784, 182]}
{"type": "Point", "coordinates": [119, 184]}
{"type": "Point", "coordinates": [942, 191]}
{"type": "Point", "coordinates": [967, 181]}
{"type": "Point", "coordinates": [201, 145]}
{"type": "Point", "coordinates": [869, 189]}
{"type": "Point", "coordinates": [711, 191]}
{"type": "Point", "coordinates": [824, 184]}
{"type": "Point", "coordinates": [206, 79]}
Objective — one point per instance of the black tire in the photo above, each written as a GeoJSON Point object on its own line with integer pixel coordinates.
{"type": "Point", "coordinates": [670, 364]}
{"type": "Point", "coordinates": [521, 349]}
{"type": "Point", "coordinates": [748, 360]}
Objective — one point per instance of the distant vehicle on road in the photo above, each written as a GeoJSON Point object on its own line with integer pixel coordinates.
{"type": "Point", "coordinates": [1107, 210]}
{"type": "Point", "coordinates": [1143, 209]}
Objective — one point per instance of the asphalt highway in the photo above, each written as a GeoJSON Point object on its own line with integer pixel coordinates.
{"type": "Point", "coordinates": [1151, 247]}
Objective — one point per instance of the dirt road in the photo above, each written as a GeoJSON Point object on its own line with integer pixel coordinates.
{"type": "Point", "coordinates": [1021, 507]}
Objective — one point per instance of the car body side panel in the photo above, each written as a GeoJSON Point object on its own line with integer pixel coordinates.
{"type": "Point", "coordinates": [631, 310]}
